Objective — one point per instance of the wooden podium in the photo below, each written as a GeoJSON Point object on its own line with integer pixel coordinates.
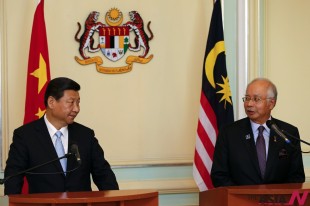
{"type": "Point", "coordinates": [95, 198]}
{"type": "Point", "coordinates": [277, 194]}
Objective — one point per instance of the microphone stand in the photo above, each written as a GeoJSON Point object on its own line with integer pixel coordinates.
{"type": "Point", "coordinates": [2, 181]}
{"type": "Point", "coordinates": [295, 137]}
{"type": "Point", "coordinates": [298, 139]}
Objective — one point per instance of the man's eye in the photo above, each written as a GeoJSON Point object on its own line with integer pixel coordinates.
{"type": "Point", "coordinates": [257, 99]}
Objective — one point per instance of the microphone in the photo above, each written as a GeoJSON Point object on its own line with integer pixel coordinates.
{"type": "Point", "coordinates": [75, 151]}
{"type": "Point", "coordinates": [2, 181]}
{"type": "Point", "coordinates": [275, 128]}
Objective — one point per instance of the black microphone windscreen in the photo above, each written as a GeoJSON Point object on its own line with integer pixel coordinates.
{"type": "Point", "coordinates": [75, 151]}
{"type": "Point", "coordinates": [74, 148]}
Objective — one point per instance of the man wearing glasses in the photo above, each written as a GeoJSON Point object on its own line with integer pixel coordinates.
{"type": "Point", "coordinates": [248, 152]}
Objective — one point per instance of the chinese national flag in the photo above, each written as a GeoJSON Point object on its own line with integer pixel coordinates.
{"type": "Point", "coordinates": [216, 107]}
{"type": "Point", "coordinates": [38, 74]}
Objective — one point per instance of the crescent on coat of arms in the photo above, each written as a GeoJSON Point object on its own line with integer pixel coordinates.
{"type": "Point", "coordinates": [114, 40]}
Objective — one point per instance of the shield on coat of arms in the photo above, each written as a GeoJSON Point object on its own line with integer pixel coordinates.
{"type": "Point", "coordinates": [114, 41]}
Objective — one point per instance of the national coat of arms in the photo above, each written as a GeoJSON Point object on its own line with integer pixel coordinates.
{"type": "Point", "coordinates": [114, 40]}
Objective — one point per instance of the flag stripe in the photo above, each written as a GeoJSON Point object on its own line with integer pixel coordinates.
{"type": "Point", "coordinates": [205, 142]}
{"type": "Point", "coordinates": [202, 152]}
{"type": "Point", "coordinates": [208, 111]}
{"type": "Point", "coordinates": [203, 172]}
{"type": "Point", "coordinates": [199, 181]}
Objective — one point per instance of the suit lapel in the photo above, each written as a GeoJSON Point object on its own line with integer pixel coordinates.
{"type": "Point", "coordinates": [73, 139]}
{"type": "Point", "coordinates": [250, 146]}
{"type": "Point", "coordinates": [44, 139]}
{"type": "Point", "coordinates": [274, 144]}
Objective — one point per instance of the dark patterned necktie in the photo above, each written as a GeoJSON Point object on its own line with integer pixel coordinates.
{"type": "Point", "coordinates": [261, 150]}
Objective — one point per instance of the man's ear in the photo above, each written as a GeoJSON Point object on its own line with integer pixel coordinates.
{"type": "Point", "coordinates": [272, 103]}
{"type": "Point", "coordinates": [51, 101]}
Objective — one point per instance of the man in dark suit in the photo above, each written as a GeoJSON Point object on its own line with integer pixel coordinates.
{"type": "Point", "coordinates": [246, 156]}
{"type": "Point", "coordinates": [33, 144]}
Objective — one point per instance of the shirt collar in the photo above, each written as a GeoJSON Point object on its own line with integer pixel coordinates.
{"type": "Point", "coordinates": [255, 126]}
{"type": "Point", "coordinates": [52, 130]}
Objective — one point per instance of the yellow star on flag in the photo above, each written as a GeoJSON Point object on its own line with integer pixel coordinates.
{"type": "Point", "coordinates": [41, 73]}
{"type": "Point", "coordinates": [40, 113]}
{"type": "Point", "coordinates": [225, 91]}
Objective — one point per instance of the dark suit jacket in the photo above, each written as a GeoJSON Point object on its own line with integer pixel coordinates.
{"type": "Point", "coordinates": [32, 146]}
{"type": "Point", "coordinates": [235, 159]}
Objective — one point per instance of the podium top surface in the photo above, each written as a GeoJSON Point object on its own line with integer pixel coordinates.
{"type": "Point", "coordinates": [254, 195]}
{"type": "Point", "coordinates": [266, 189]}
{"type": "Point", "coordinates": [84, 197]}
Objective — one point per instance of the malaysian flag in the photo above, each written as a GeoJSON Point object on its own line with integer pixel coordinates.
{"type": "Point", "coordinates": [216, 107]}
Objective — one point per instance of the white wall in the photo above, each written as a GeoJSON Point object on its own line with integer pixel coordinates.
{"type": "Point", "coordinates": [151, 110]}
{"type": "Point", "coordinates": [287, 60]}
{"type": "Point", "coordinates": [149, 116]}
{"type": "Point", "coordinates": [142, 118]}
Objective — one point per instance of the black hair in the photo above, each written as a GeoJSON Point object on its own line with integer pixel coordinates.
{"type": "Point", "coordinates": [57, 86]}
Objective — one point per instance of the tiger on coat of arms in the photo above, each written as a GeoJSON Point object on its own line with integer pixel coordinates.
{"type": "Point", "coordinates": [141, 39]}
{"type": "Point", "coordinates": [87, 40]}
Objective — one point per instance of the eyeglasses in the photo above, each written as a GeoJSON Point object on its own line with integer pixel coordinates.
{"type": "Point", "coordinates": [255, 99]}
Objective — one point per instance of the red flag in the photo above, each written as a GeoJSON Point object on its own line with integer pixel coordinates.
{"type": "Point", "coordinates": [216, 107]}
{"type": "Point", "coordinates": [38, 74]}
